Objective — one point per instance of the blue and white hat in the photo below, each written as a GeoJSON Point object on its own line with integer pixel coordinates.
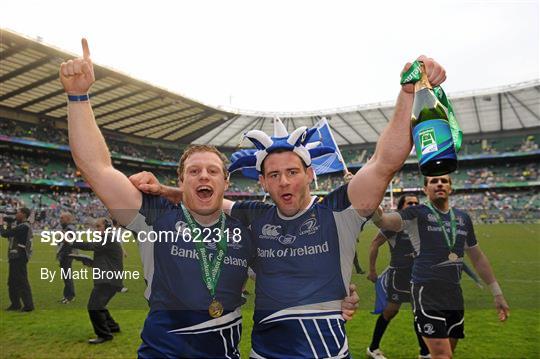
{"type": "Point", "coordinates": [299, 141]}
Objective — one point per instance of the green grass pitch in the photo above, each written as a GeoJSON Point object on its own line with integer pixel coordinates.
{"type": "Point", "coordinates": [61, 331]}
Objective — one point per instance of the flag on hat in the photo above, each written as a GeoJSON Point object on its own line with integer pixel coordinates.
{"type": "Point", "coordinates": [315, 146]}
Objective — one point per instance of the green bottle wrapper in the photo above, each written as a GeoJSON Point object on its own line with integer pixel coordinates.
{"type": "Point", "coordinates": [412, 75]}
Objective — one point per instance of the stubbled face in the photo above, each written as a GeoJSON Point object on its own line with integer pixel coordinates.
{"type": "Point", "coordinates": [203, 183]}
{"type": "Point", "coordinates": [438, 188]}
{"type": "Point", "coordinates": [287, 182]}
{"type": "Point", "coordinates": [410, 201]}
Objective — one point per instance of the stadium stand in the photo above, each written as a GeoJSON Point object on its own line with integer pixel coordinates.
{"type": "Point", "coordinates": [511, 186]}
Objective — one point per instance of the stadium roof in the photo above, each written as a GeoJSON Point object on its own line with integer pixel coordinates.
{"type": "Point", "coordinates": [29, 85]}
{"type": "Point", "coordinates": [506, 108]}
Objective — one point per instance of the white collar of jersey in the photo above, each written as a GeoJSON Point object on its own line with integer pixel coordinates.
{"type": "Point", "coordinates": [301, 212]}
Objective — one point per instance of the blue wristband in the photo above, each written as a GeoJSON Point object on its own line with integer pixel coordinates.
{"type": "Point", "coordinates": [78, 98]}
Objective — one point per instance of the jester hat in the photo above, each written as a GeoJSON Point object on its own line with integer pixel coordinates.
{"type": "Point", "coordinates": [302, 141]}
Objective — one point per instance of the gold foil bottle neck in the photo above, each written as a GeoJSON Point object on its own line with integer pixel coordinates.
{"type": "Point", "coordinates": [423, 82]}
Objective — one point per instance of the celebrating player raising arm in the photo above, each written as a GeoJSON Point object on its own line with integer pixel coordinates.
{"type": "Point", "coordinates": [368, 185]}
{"type": "Point", "coordinates": [88, 146]}
{"type": "Point", "coordinates": [194, 304]}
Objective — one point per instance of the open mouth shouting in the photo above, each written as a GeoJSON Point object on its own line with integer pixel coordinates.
{"type": "Point", "coordinates": [204, 192]}
{"type": "Point", "coordinates": [287, 197]}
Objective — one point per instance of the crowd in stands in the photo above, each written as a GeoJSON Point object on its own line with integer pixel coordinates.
{"type": "Point", "coordinates": [30, 167]}
{"type": "Point", "coordinates": [27, 168]}
{"type": "Point", "coordinates": [44, 131]}
{"type": "Point", "coordinates": [243, 185]}
{"type": "Point", "coordinates": [499, 145]}
{"type": "Point", "coordinates": [500, 207]}
{"type": "Point", "coordinates": [485, 207]}
{"type": "Point", "coordinates": [47, 132]}
{"type": "Point", "coordinates": [471, 176]}
{"type": "Point", "coordinates": [47, 206]}
{"type": "Point", "coordinates": [24, 168]}
{"type": "Point", "coordinates": [497, 174]}
{"type": "Point", "coordinates": [154, 153]}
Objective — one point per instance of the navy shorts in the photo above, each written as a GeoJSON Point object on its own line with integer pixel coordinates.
{"type": "Point", "coordinates": [399, 285]}
{"type": "Point", "coordinates": [438, 310]}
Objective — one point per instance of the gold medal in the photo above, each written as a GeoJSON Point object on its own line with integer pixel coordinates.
{"type": "Point", "coordinates": [215, 309]}
{"type": "Point", "coordinates": [453, 257]}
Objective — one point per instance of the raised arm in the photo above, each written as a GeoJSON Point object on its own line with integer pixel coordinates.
{"type": "Point", "coordinates": [373, 253]}
{"type": "Point", "coordinates": [369, 184]}
{"type": "Point", "coordinates": [88, 146]}
{"type": "Point", "coordinates": [482, 266]}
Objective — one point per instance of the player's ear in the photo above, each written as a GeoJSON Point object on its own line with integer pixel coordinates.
{"type": "Point", "coordinates": [310, 173]}
{"type": "Point", "coordinates": [227, 183]}
{"type": "Point", "coordinates": [262, 181]}
{"type": "Point", "coordinates": [180, 184]}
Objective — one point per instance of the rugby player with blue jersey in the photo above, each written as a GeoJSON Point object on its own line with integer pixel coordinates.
{"type": "Point", "coordinates": [304, 247]}
{"type": "Point", "coordinates": [398, 278]}
{"type": "Point", "coordinates": [194, 312]}
{"type": "Point", "coordinates": [440, 236]}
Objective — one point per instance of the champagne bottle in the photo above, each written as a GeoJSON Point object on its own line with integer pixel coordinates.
{"type": "Point", "coordinates": [431, 131]}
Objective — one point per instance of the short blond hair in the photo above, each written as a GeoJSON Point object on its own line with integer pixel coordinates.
{"type": "Point", "coordinates": [191, 149]}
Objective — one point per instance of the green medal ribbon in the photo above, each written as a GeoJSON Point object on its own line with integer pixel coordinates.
{"type": "Point", "coordinates": [412, 75]}
{"type": "Point", "coordinates": [449, 243]}
{"type": "Point", "coordinates": [211, 270]}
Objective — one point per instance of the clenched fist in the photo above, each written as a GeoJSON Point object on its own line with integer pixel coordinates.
{"type": "Point", "coordinates": [77, 75]}
{"type": "Point", "coordinates": [435, 72]}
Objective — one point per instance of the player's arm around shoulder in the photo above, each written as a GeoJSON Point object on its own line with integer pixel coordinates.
{"type": "Point", "coordinates": [148, 183]}
{"type": "Point", "coordinates": [387, 221]}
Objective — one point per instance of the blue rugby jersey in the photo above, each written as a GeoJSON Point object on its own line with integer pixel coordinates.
{"type": "Point", "coordinates": [401, 250]}
{"type": "Point", "coordinates": [178, 323]}
{"type": "Point", "coordinates": [431, 261]}
{"type": "Point", "coordinates": [303, 265]}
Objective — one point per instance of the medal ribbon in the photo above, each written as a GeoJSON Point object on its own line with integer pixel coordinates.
{"type": "Point", "coordinates": [452, 243]}
{"type": "Point", "coordinates": [412, 75]}
{"type": "Point", "coordinates": [211, 270]}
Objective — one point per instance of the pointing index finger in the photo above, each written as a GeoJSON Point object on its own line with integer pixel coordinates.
{"type": "Point", "coordinates": [86, 49]}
